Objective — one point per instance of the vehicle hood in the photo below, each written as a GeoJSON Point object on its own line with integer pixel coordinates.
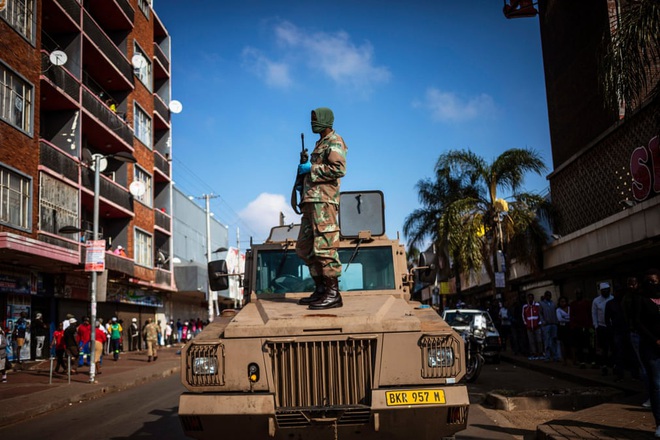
{"type": "Point", "coordinates": [360, 314]}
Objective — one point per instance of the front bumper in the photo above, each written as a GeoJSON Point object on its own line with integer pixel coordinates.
{"type": "Point", "coordinates": [254, 416]}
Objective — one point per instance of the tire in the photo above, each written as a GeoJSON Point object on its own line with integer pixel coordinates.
{"type": "Point", "coordinates": [475, 363]}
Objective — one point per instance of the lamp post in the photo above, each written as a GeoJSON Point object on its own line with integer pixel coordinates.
{"type": "Point", "coordinates": [96, 161]}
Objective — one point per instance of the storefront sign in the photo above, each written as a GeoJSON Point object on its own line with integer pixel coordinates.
{"type": "Point", "coordinates": [645, 170]}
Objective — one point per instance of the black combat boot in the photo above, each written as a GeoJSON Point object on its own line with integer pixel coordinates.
{"type": "Point", "coordinates": [317, 294]}
{"type": "Point", "coordinates": [331, 298]}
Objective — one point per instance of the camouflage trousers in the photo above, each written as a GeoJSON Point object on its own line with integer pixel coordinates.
{"type": "Point", "coordinates": [318, 239]}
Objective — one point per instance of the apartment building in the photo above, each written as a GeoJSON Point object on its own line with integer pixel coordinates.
{"type": "Point", "coordinates": [84, 83]}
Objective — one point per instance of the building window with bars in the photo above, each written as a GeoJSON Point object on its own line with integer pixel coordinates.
{"type": "Point", "coordinates": [142, 123]}
{"type": "Point", "coordinates": [15, 100]}
{"type": "Point", "coordinates": [19, 14]}
{"type": "Point", "coordinates": [58, 204]}
{"type": "Point", "coordinates": [15, 196]}
{"type": "Point", "coordinates": [143, 248]}
{"type": "Point", "coordinates": [142, 176]}
{"type": "Point", "coordinates": [145, 7]}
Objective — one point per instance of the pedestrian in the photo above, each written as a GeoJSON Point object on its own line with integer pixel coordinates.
{"type": "Point", "coordinates": [519, 342]}
{"type": "Point", "coordinates": [168, 333]}
{"type": "Point", "coordinates": [151, 331]}
{"type": "Point", "coordinates": [133, 335]}
{"type": "Point", "coordinates": [40, 331]}
{"type": "Point", "coordinates": [531, 316]}
{"type": "Point", "coordinates": [101, 338]}
{"type": "Point", "coordinates": [65, 322]}
{"type": "Point", "coordinates": [71, 346]}
{"type": "Point", "coordinates": [84, 336]}
{"type": "Point", "coordinates": [603, 335]}
{"type": "Point", "coordinates": [160, 333]}
{"type": "Point", "coordinates": [619, 332]}
{"type": "Point", "coordinates": [184, 332]}
{"type": "Point", "coordinates": [19, 334]}
{"type": "Point", "coordinates": [179, 330]}
{"type": "Point", "coordinates": [581, 328]}
{"type": "Point", "coordinates": [505, 324]}
{"type": "Point", "coordinates": [548, 319]}
{"type": "Point", "coordinates": [319, 232]}
{"type": "Point", "coordinates": [57, 344]}
{"type": "Point", "coordinates": [564, 329]}
{"type": "Point", "coordinates": [4, 362]}
{"type": "Point", "coordinates": [115, 338]}
{"type": "Point", "coordinates": [630, 304]}
{"type": "Point", "coordinates": [648, 325]}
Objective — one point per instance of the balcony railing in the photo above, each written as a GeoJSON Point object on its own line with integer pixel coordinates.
{"type": "Point", "coordinates": [163, 277]}
{"type": "Point", "coordinates": [109, 190]}
{"type": "Point", "coordinates": [161, 57]}
{"type": "Point", "coordinates": [127, 8]}
{"type": "Point", "coordinates": [161, 108]}
{"type": "Point", "coordinates": [162, 164]}
{"type": "Point", "coordinates": [108, 47]}
{"type": "Point", "coordinates": [71, 7]}
{"type": "Point", "coordinates": [162, 220]}
{"type": "Point", "coordinates": [57, 161]}
{"type": "Point", "coordinates": [60, 77]}
{"type": "Point", "coordinates": [107, 117]}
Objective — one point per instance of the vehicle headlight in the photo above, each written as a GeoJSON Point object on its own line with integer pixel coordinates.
{"type": "Point", "coordinates": [205, 365]}
{"type": "Point", "coordinates": [441, 357]}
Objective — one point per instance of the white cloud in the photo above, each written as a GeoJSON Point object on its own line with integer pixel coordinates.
{"type": "Point", "coordinates": [449, 107]}
{"type": "Point", "coordinates": [263, 213]}
{"type": "Point", "coordinates": [333, 55]}
{"type": "Point", "coordinates": [275, 74]}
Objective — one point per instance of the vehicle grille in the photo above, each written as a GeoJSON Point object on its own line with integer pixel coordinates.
{"type": "Point", "coordinates": [428, 343]}
{"type": "Point", "coordinates": [322, 373]}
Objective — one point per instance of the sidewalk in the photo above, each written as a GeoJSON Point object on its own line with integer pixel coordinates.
{"type": "Point", "coordinates": [623, 418]}
{"type": "Point", "coordinates": [29, 392]}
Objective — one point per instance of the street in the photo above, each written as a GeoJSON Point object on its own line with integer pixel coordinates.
{"type": "Point", "coordinates": [150, 411]}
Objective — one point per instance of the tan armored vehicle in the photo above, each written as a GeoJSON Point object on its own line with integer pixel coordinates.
{"type": "Point", "coordinates": [380, 367]}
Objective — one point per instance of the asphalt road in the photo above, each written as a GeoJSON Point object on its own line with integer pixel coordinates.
{"type": "Point", "coordinates": [150, 411]}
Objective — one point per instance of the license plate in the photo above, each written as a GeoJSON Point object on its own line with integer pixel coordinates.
{"type": "Point", "coordinates": [416, 397]}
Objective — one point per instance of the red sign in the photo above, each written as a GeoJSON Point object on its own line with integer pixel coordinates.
{"type": "Point", "coordinates": [645, 169]}
{"type": "Point", "coordinates": [95, 258]}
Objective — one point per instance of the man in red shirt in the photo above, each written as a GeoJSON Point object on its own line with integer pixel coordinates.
{"type": "Point", "coordinates": [84, 336]}
{"type": "Point", "coordinates": [58, 343]}
{"type": "Point", "coordinates": [531, 315]}
{"type": "Point", "coordinates": [581, 328]}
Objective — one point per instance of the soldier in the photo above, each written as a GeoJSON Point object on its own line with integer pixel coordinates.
{"type": "Point", "coordinates": [319, 232]}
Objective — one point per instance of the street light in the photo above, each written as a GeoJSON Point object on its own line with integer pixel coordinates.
{"type": "Point", "coordinates": [96, 163]}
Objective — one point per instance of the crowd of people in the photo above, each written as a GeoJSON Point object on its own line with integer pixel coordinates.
{"type": "Point", "coordinates": [70, 342]}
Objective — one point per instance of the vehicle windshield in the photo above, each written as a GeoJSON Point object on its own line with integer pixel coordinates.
{"type": "Point", "coordinates": [281, 271]}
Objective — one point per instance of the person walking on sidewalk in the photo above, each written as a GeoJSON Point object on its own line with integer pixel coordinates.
{"type": "Point", "coordinates": [101, 338]}
{"type": "Point", "coordinates": [581, 328]}
{"type": "Point", "coordinates": [648, 324]}
{"type": "Point", "coordinates": [18, 336]}
{"type": "Point", "coordinates": [4, 362]}
{"type": "Point", "coordinates": [531, 315]}
{"type": "Point", "coordinates": [71, 345]}
{"type": "Point", "coordinates": [84, 333]}
{"type": "Point", "coordinates": [603, 336]}
{"type": "Point", "coordinates": [151, 331]}
{"type": "Point", "coordinates": [40, 331]}
{"type": "Point", "coordinates": [563, 329]}
{"type": "Point", "coordinates": [548, 314]}
{"type": "Point", "coordinates": [115, 338]}
{"type": "Point", "coordinates": [133, 335]}
{"type": "Point", "coordinates": [58, 344]}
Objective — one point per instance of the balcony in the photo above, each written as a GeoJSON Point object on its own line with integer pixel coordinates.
{"type": "Point", "coordinates": [116, 202]}
{"type": "Point", "coordinates": [161, 64]}
{"type": "Point", "coordinates": [59, 81]}
{"type": "Point", "coordinates": [163, 277]}
{"type": "Point", "coordinates": [61, 16]}
{"type": "Point", "coordinates": [161, 113]}
{"type": "Point", "coordinates": [57, 161]}
{"type": "Point", "coordinates": [162, 220]}
{"type": "Point", "coordinates": [108, 129]}
{"type": "Point", "coordinates": [162, 167]}
{"type": "Point", "coordinates": [112, 14]}
{"type": "Point", "coordinates": [103, 60]}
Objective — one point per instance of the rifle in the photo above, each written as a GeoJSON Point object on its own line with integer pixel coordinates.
{"type": "Point", "coordinates": [299, 179]}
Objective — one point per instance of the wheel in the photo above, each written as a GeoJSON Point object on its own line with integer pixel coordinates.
{"type": "Point", "coordinates": [474, 364]}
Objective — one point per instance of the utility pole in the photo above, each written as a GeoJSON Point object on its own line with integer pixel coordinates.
{"type": "Point", "coordinates": [209, 295]}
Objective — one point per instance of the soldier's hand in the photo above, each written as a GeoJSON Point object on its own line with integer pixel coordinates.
{"type": "Point", "coordinates": [304, 168]}
{"type": "Point", "coordinates": [304, 157]}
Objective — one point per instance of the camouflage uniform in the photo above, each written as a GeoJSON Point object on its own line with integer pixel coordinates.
{"type": "Point", "coordinates": [319, 231]}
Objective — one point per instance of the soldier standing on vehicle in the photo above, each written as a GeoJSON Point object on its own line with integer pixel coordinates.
{"type": "Point", "coordinates": [319, 232]}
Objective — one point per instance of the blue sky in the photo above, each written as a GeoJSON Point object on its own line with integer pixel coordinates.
{"type": "Point", "coordinates": [406, 81]}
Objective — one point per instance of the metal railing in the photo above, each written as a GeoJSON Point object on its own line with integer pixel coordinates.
{"type": "Point", "coordinates": [109, 118]}
{"type": "Point", "coordinates": [58, 161]}
{"type": "Point", "coordinates": [109, 49]}
{"type": "Point", "coordinates": [60, 77]}
{"type": "Point", "coordinates": [71, 7]}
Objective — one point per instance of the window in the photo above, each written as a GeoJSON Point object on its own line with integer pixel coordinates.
{"type": "Point", "coordinates": [19, 15]}
{"type": "Point", "coordinates": [145, 6]}
{"type": "Point", "coordinates": [143, 248]}
{"type": "Point", "coordinates": [58, 204]}
{"type": "Point", "coordinates": [142, 123]}
{"type": "Point", "coordinates": [15, 195]}
{"type": "Point", "coordinates": [15, 100]}
{"type": "Point", "coordinates": [142, 69]}
{"type": "Point", "coordinates": [142, 176]}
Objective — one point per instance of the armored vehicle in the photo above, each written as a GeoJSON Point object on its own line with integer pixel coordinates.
{"type": "Point", "coordinates": [380, 367]}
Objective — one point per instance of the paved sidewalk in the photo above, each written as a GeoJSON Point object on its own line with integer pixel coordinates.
{"type": "Point", "coordinates": [30, 392]}
{"type": "Point", "coordinates": [623, 418]}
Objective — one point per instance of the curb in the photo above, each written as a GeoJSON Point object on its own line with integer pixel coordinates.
{"type": "Point", "coordinates": [573, 399]}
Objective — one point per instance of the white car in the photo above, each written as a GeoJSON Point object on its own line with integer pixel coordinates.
{"type": "Point", "coordinates": [460, 320]}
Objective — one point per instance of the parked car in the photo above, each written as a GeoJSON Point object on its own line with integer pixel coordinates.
{"type": "Point", "coordinates": [460, 320]}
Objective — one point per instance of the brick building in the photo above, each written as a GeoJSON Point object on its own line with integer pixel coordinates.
{"type": "Point", "coordinates": [84, 81]}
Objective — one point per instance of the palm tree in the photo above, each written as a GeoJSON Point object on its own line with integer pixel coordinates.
{"type": "Point", "coordinates": [421, 227]}
{"type": "Point", "coordinates": [479, 225]}
{"type": "Point", "coordinates": [631, 53]}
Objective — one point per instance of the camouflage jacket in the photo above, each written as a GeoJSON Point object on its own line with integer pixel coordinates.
{"type": "Point", "coordinates": [328, 162]}
{"type": "Point", "coordinates": [151, 332]}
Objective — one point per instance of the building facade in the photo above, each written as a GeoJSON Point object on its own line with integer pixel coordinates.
{"type": "Point", "coordinates": [84, 83]}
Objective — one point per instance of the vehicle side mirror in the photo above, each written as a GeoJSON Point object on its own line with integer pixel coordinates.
{"type": "Point", "coordinates": [429, 261]}
{"type": "Point", "coordinates": [218, 279]}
